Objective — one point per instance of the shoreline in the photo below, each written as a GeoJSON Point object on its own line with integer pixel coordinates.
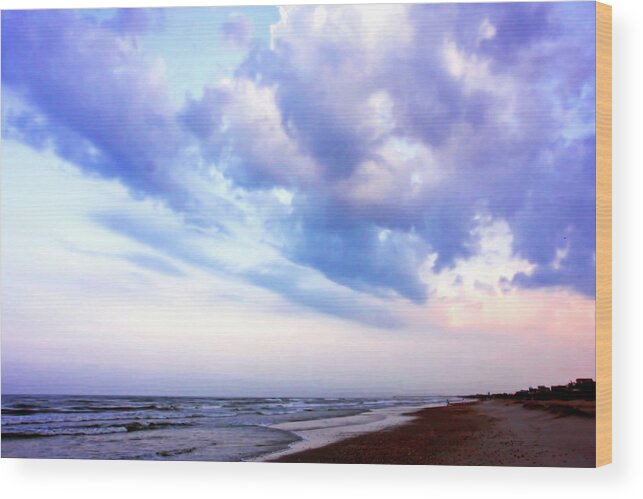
{"type": "Point", "coordinates": [319, 433]}
{"type": "Point", "coordinates": [482, 433]}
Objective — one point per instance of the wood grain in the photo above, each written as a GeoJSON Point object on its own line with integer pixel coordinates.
{"type": "Point", "coordinates": [603, 234]}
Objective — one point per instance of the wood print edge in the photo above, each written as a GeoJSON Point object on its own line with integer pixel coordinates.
{"type": "Point", "coordinates": [603, 234]}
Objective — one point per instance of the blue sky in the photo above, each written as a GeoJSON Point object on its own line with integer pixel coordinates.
{"type": "Point", "coordinates": [301, 200]}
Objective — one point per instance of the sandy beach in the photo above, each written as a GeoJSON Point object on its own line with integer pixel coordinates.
{"type": "Point", "coordinates": [486, 433]}
{"type": "Point", "coordinates": [319, 433]}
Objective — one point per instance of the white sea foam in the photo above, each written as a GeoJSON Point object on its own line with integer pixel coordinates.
{"type": "Point", "coordinates": [320, 432]}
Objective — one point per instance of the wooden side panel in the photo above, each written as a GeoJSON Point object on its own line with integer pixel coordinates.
{"type": "Point", "coordinates": [603, 234]}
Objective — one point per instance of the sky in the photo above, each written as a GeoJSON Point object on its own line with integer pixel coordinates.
{"type": "Point", "coordinates": [313, 201]}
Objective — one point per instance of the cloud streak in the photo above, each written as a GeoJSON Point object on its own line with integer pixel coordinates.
{"type": "Point", "coordinates": [296, 284]}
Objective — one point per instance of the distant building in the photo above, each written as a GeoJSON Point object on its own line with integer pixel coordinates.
{"type": "Point", "coordinates": [582, 388]}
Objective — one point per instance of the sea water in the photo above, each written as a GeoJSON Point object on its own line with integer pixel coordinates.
{"type": "Point", "coordinates": [167, 428]}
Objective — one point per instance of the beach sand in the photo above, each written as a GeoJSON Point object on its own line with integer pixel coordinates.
{"type": "Point", "coordinates": [318, 433]}
{"type": "Point", "coordinates": [487, 433]}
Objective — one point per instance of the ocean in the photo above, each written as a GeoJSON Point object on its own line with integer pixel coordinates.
{"type": "Point", "coordinates": [167, 428]}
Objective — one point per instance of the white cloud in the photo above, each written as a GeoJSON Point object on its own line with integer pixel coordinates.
{"type": "Point", "coordinates": [253, 127]}
{"type": "Point", "coordinates": [403, 169]}
{"type": "Point", "coordinates": [486, 31]}
{"type": "Point", "coordinates": [491, 266]}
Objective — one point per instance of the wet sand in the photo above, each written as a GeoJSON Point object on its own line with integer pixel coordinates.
{"type": "Point", "coordinates": [488, 433]}
{"type": "Point", "coordinates": [318, 433]}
